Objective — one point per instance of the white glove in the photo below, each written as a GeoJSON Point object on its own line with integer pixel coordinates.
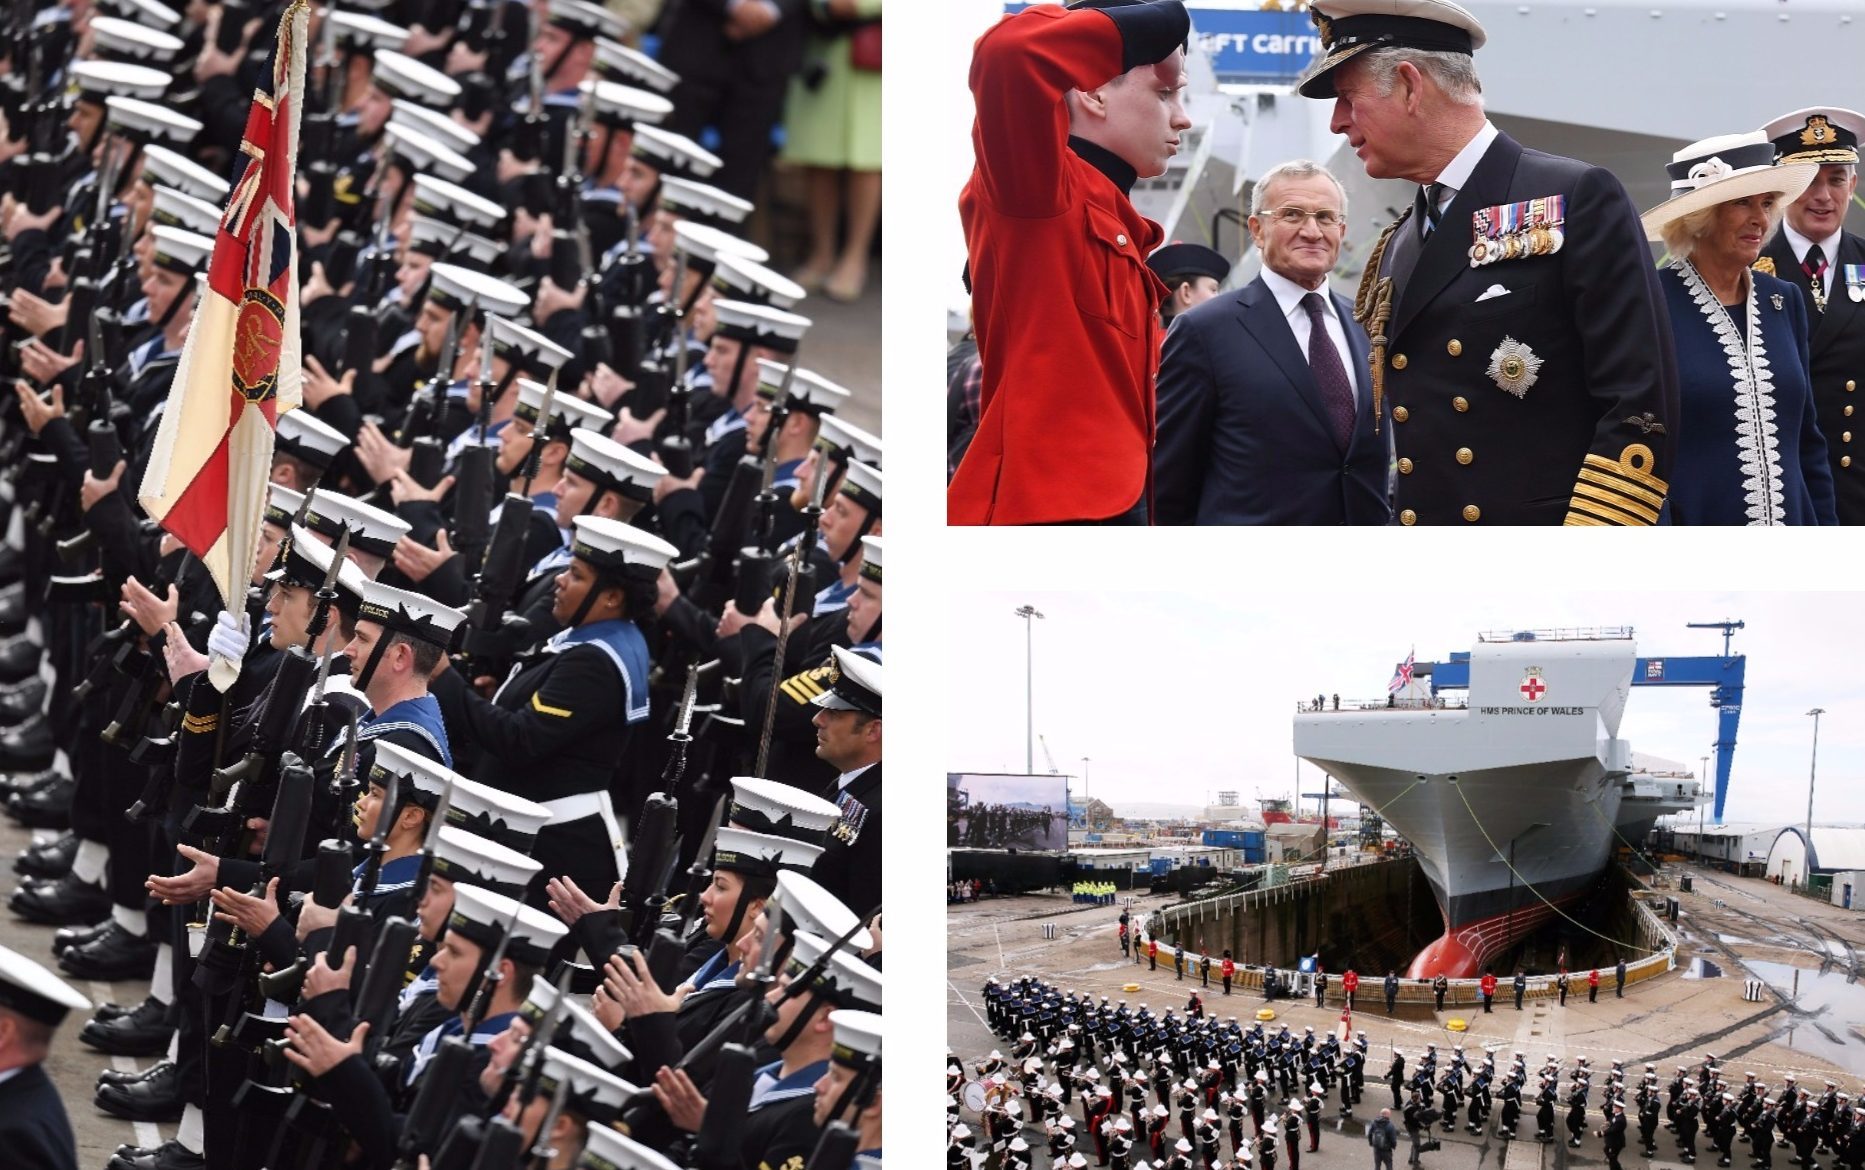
{"type": "Point", "coordinates": [228, 638]}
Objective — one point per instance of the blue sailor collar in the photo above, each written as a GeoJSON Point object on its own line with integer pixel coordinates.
{"type": "Point", "coordinates": [833, 596]}
{"type": "Point", "coordinates": [627, 649]}
{"type": "Point", "coordinates": [769, 1087]}
{"type": "Point", "coordinates": [420, 715]}
{"type": "Point", "coordinates": [784, 476]}
{"type": "Point", "coordinates": [396, 875]}
{"type": "Point", "coordinates": [482, 1035]}
{"type": "Point", "coordinates": [717, 971]}
{"type": "Point", "coordinates": [427, 982]}
{"type": "Point", "coordinates": [725, 424]}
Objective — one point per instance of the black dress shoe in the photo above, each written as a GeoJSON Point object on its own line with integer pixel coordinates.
{"type": "Point", "coordinates": [65, 902]}
{"type": "Point", "coordinates": [26, 782]}
{"type": "Point", "coordinates": [115, 954]}
{"type": "Point", "coordinates": [27, 747]}
{"type": "Point", "coordinates": [113, 1076]}
{"type": "Point", "coordinates": [155, 1098]}
{"type": "Point", "coordinates": [145, 1031]}
{"type": "Point", "coordinates": [13, 611]}
{"type": "Point", "coordinates": [109, 1010]}
{"type": "Point", "coordinates": [23, 702]}
{"type": "Point", "coordinates": [169, 1155]}
{"type": "Point", "coordinates": [45, 807]}
{"type": "Point", "coordinates": [19, 658]}
{"type": "Point", "coordinates": [67, 937]}
{"type": "Point", "coordinates": [48, 858]}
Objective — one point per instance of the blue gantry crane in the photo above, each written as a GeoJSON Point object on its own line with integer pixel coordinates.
{"type": "Point", "coordinates": [1723, 675]}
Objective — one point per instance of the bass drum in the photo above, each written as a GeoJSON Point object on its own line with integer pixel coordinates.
{"type": "Point", "coordinates": [973, 1096]}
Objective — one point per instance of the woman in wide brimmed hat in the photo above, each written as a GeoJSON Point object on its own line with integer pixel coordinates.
{"type": "Point", "coordinates": [1749, 450]}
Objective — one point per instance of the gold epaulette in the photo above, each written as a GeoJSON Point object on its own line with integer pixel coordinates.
{"type": "Point", "coordinates": [1622, 493]}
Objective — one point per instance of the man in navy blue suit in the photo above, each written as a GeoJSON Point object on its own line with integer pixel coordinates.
{"type": "Point", "coordinates": [1265, 411]}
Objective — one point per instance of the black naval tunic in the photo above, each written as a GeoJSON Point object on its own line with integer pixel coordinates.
{"type": "Point", "coordinates": [1838, 361]}
{"type": "Point", "coordinates": [34, 1131]}
{"type": "Point", "coordinates": [1591, 440]}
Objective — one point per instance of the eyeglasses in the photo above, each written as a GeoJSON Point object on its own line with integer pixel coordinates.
{"type": "Point", "coordinates": [1295, 216]}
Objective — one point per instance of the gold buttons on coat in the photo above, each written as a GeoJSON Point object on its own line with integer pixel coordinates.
{"type": "Point", "coordinates": [1848, 412]}
{"type": "Point", "coordinates": [1472, 513]}
{"type": "Point", "coordinates": [1400, 414]}
{"type": "Point", "coordinates": [1465, 455]}
{"type": "Point", "coordinates": [1455, 348]}
{"type": "Point", "coordinates": [1460, 404]}
{"type": "Point", "coordinates": [1408, 517]}
{"type": "Point", "coordinates": [1851, 385]}
{"type": "Point", "coordinates": [1845, 461]}
{"type": "Point", "coordinates": [1405, 467]}
{"type": "Point", "coordinates": [1846, 437]}
{"type": "Point", "coordinates": [1398, 361]}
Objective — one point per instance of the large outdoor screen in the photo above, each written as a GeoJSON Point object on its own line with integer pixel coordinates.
{"type": "Point", "coordinates": [986, 811]}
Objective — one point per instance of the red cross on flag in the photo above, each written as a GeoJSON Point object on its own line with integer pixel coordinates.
{"type": "Point", "coordinates": [241, 366]}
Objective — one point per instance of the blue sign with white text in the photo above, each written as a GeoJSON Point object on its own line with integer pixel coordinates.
{"type": "Point", "coordinates": [1249, 47]}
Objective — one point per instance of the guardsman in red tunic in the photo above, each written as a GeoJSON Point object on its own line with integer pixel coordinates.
{"type": "Point", "coordinates": [1073, 106]}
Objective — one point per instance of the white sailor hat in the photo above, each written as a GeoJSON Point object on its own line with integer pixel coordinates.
{"type": "Point", "coordinates": [438, 239]}
{"type": "Point", "coordinates": [126, 40]}
{"type": "Point", "coordinates": [97, 80]}
{"type": "Point", "coordinates": [585, 20]}
{"type": "Point", "coordinates": [372, 530]}
{"type": "Point", "coordinates": [612, 466]}
{"type": "Point", "coordinates": [452, 287]}
{"type": "Point", "coordinates": [34, 992]}
{"type": "Point", "coordinates": [149, 121]}
{"type": "Point", "coordinates": [423, 152]}
{"type": "Point", "coordinates": [843, 440]}
{"type": "Point", "coordinates": [567, 412]}
{"type": "Point", "coordinates": [146, 12]}
{"type": "Point", "coordinates": [303, 435]}
{"type": "Point", "coordinates": [1818, 134]}
{"type": "Point", "coordinates": [1721, 169]}
{"type": "Point", "coordinates": [460, 856]}
{"type": "Point", "coordinates": [857, 1038]}
{"type": "Point", "coordinates": [162, 165]}
{"type": "Point", "coordinates": [703, 203]}
{"type": "Point", "coordinates": [400, 75]}
{"type": "Point", "coordinates": [614, 104]}
{"type": "Point", "coordinates": [862, 485]}
{"type": "Point", "coordinates": [607, 1149]}
{"type": "Point", "coordinates": [760, 325]}
{"type": "Point", "coordinates": [421, 780]}
{"type": "Point", "coordinates": [436, 124]}
{"type": "Point", "coordinates": [783, 810]}
{"type": "Point", "coordinates": [304, 561]}
{"type": "Point", "coordinates": [496, 815]}
{"type": "Point", "coordinates": [1349, 28]}
{"type": "Point", "coordinates": [180, 251]}
{"type": "Point", "coordinates": [172, 208]}
{"type": "Point", "coordinates": [1076, 1160]}
{"type": "Point", "coordinates": [618, 62]}
{"type": "Point", "coordinates": [581, 1034]}
{"type": "Point", "coordinates": [454, 203]}
{"type": "Point", "coordinates": [592, 1092]}
{"type": "Point", "coordinates": [613, 545]}
{"type": "Point", "coordinates": [809, 391]}
{"type": "Point", "coordinates": [528, 351]}
{"type": "Point", "coordinates": [481, 916]}
{"type": "Point", "coordinates": [704, 244]}
{"type": "Point", "coordinates": [1018, 1144]}
{"type": "Point", "coordinates": [744, 279]}
{"type": "Point", "coordinates": [740, 851]}
{"type": "Point", "coordinates": [282, 504]}
{"type": "Point", "coordinates": [414, 614]}
{"type": "Point", "coordinates": [854, 684]}
{"type": "Point", "coordinates": [807, 906]}
{"type": "Point", "coordinates": [673, 154]}
{"type": "Point", "coordinates": [871, 571]}
{"type": "Point", "coordinates": [365, 33]}
{"type": "Point", "coordinates": [845, 981]}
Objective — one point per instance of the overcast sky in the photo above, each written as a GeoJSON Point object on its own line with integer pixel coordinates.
{"type": "Point", "coordinates": [1176, 696]}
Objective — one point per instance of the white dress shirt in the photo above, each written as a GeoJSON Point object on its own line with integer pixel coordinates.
{"type": "Point", "coordinates": [1829, 248]}
{"type": "Point", "coordinates": [1289, 296]}
{"type": "Point", "coordinates": [1456, 174]}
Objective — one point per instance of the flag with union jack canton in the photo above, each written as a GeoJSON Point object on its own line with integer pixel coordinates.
{"type": "Point", "coordinates": [1402, 677]}
{"type": "Point", "coordinates": [241, 366]}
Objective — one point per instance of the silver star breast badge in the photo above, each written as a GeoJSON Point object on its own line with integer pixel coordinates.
{"type": "Point", "coordinates": [1514, 367]}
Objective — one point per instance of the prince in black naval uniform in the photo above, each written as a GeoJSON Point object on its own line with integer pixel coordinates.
{"type": "Point", "coordinates": [1814, 251]}
{"type": "Point", "coordinates": [34, 1130]}
{"type": "Point", "coordinates": [1517, 325]}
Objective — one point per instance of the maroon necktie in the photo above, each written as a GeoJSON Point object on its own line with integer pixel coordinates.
{"type": "Point", "coordinates": [1815, 268]}
{"type": "Point", "coordinates": [1329, 371]}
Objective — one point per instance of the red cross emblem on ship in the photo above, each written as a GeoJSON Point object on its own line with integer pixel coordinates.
{"type": "Point", "coordinates": [1532, 687]}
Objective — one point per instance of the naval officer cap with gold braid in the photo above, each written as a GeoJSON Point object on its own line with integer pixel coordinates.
{"type": "Point", "coordinates": [1349, 28]}
{"type": "Point", "coordinates": [1818, 134]}
{"type": "Point", "coordinates": [854, 684]}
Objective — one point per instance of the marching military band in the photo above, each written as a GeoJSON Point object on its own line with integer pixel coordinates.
{"type": "Point", "coordinates": [539, 824]}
